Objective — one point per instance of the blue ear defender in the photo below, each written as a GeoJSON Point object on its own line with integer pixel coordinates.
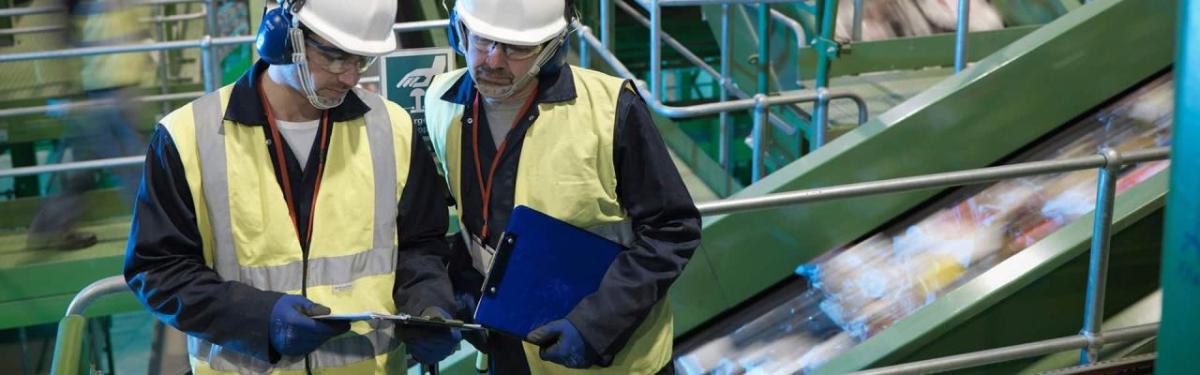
{"type": "Point", "coordinates": [273, 44]}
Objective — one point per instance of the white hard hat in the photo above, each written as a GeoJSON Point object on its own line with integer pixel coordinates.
{"type": "Point", "coordinates": [361, 27]}
{"type": "Point", "coordinates": [519, 22]}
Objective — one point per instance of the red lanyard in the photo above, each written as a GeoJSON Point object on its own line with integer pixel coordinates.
{"type": "Point", "coordinates": [277, 142]}
{"type": "Point", "coordinates": [485, 187]}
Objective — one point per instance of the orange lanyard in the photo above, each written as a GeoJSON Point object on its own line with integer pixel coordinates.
{"type": "Point", "coordinates": [277, 142]}
{"type": "Point", "coordinates": [486, 186]}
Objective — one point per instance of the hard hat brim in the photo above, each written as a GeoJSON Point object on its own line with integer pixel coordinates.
{"type": "Point", "coordinates": [530, 37]}
{"type": "Point", "coordinates": [350, 43]}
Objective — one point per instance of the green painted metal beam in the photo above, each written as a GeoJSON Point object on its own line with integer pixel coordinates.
{"type": "Point", "coordinates": [52, 308]}
{"type": "Point", "coordinates": [703, 165]}
{"type": "Point", "coordinates": [1181, 258]}
{"type": "Point", "coordinates": [101, 204]}
{"type": "Point", "coordinates": [1036, 294]}
{"type": "Point", "coordinates": [911, 53]}
{"type": "Point", "coordinates": [999, 105]}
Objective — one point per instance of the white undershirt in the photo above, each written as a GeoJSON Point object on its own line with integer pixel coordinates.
{"type": "Point", "coordinates": [500, 116]}
{"type": "Point", "coordinates": [299, 137]}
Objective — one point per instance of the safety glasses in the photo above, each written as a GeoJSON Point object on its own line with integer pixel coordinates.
{"type": "Point", "coordinates": [336, 61]}
{"type": "Point", "coordinates": [513, 52]}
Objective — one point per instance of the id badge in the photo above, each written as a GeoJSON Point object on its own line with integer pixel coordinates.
{"type": "Point", "coordinates": [481, 255]}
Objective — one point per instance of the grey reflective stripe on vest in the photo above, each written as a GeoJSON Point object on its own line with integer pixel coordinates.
{"type": "Point", "coordinates": [326, 271]}
{"type": "Point", "coordinates": [338, 352]}
{"type": "Point", "coordinates": [210, 143]}
{"type": "Point", "coordinates": [341, 270]}
{"type": "Point", "coordinates": [383, 158]}
{"type": "Point", "coordinates": [620, 232]}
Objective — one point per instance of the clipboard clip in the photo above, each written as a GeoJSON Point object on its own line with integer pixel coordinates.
{"type": "Point", "coordinates": [499, 262]}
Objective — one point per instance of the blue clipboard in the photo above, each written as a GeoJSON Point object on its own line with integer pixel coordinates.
{"type": "Point", "coordinates": [543, 267]}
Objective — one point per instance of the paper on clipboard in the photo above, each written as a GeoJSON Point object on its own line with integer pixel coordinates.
{"type": "Point", "coordinates": [402, 319]}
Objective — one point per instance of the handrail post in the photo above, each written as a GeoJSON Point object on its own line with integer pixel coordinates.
{"type": "Point", "coordinates": [764, 48]}
{"type": "Point", "coordinates": [960, 36]}
{"type": "Point", "coordinates": [822, 118]}
{"type": "Point", "coordinates": [212, 79]}
{"type": "Point", "coordinates": [826, 50]}
{"type": "Point", "coordinates": [606, 24]}
{"type": "Point", "coordinates": [760, 124]}
{"type": "Point", "coordinates": [655, 50]}
{"type": "Point", "coordinates": [726, 128]}
{"type": "Point", "coordinates": [585, 56]}
{"type": "Point", "coordinates": [856, 31]}
{"type": "Point", "coordinates": [1098, 261]}
{"type": "Point", "coordinates": [207, 63]}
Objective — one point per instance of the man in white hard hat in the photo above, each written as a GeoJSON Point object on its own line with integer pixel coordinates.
{"type": "Point", "coordinates": [518, 127]}
{"type": "Point", "coordinates": [291, 194]}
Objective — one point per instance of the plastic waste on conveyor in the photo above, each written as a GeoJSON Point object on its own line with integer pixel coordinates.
{"type": "Point", "coordinates": [863, 288]}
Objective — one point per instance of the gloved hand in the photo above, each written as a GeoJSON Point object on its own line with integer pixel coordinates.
{"type": "Point", "coordinates": [293, 333]}
{"type": "Point", "coordinates": [562, 343]}
{"type": "Point", "coordinates": [431, 345]}
{"type": "Point", "coordinates": [466, 312]}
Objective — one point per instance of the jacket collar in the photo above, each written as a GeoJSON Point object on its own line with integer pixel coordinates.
{"type": "Point", "coordinates": [552, 88]}
{"type": "Point", "coordinates": [245, 107]}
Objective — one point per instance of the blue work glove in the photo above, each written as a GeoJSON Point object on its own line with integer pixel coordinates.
{"type": "Point", "coordinates": [293, 333]}
{"type": "Point", "coordinates": [562, 343]}
{"type": "Point", "coordinates": [466, 310]}
{"type": "Point", "coordinates": [430, 345]}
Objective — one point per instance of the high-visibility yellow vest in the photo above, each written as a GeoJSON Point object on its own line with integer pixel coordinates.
{"type": "Point", "coordinates": [566, 170]}
{"type": "Point", "coordinates": [249, 237]}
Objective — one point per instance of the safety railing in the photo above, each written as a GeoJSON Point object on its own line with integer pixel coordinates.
{"type": "Point", "coordinates": [72, 329]}
{"type": "Point", "coordinates": [760, 103]}
{"type": "Point", "coordinates": [1008, 353]}
{"type": "Point", "coordinates": [206, 44]}
{"type": "Point", "coordinates": [1090, 339]}
{"type": "Point", "coordinates": [68, 347]}
{"type": "Point", "coordinates": [824, 43]}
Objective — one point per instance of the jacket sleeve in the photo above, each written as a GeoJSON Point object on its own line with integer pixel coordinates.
{"type": "Point", "coordinates": [421, 277]}
{"type": "Point", "coordinates": [666, 227]}
{"type": "Point", "coordinates": [166, 270]}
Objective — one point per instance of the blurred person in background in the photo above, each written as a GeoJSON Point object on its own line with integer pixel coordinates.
{"type": "Point", "coordinates": [101, 130]}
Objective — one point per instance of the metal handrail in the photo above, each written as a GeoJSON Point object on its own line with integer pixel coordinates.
{"type": "Point", "coordinates": [33, 30]}
{"type": "Point", "coordinates": [960, 35]}
{"type": "Point", "coordinates": [759, 103]}
{"type": "Point", "coordinates": [69, 348]}
{"type": "Point", "coordinates": [1008, 353]}
{"type": "Point", "coordinates": [25, 111]}
{"type": "Point", "coordinates": [797, 28]}
{"type": "Point", "coordinates": [761, 111]}
{"type": "Point", "coordinates": [1109, 161]}
{"type": "Point", "coordinates": [99, 288]}
{"type": "Point", "coordinates": [176, 17]}
{"type": "Point", "coordinates": [125, 48]}
{"type": "Point", "coordinates": [182, 44]}
{"type": "Point", "coordinates": [11, 12]}
{"type": "Point", "coordinates": [687, 54]}
{"type": "Point", "coordinates": [74, 166]}
{"type": "Point", "coordinates": [921, 182]}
